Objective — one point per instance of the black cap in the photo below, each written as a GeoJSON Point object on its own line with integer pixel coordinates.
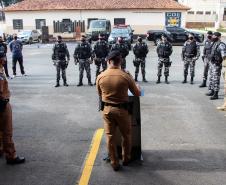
{"type": "Point", "coordinates": [59, 37]}
{"type": "Point", "coordinates": [83, 36]}
{"type": "Point", "coordinates": [210, 33]}
{"type": "Point", "coordinates": [217, 34]}
{"type": "Point", "coordinates": [113, 54]}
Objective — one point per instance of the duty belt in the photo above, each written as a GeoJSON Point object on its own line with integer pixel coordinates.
{"type": "Point", "coordinates": [120, 105]}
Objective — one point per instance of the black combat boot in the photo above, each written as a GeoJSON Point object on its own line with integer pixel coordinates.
{"type": "Point", "coordinates": [215, 96]}
{"type": "Point", "coordinates": [144, 79]}
{"type": "Point", "coordinates": [136, 78]}
{"type": "Point", "coordinates": [80, 83]}
{"type": "Point", "coordinates": [158, 81]}
{"type": "Point", "coordinates": [57, 84]}
{"type": "Point", "coordinates": [192, 80]}
{"type": "Point", "coordinates": [166, 80]}
{"type": "Point", "coordinates": [185, 80]}
{"type": "Point", "coordinates": [210, 93]}
{"type": "Point", "coordinates": [203, 84]}
{"type": "Point", "coordinates": [90, 83]}
{"type": "Point", "coordinates": [65, 84]}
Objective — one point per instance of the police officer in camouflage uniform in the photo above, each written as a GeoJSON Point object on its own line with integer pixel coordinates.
{"type": "Point", "coordinates": [164, 50]}
{"type": "Point", "coordinates": [82, 55]}
{"type": "Point", "coordinates": [218, 54]}
{"type": "Point", "coordinates": [101, 49]}
{"type": "Point", "coordinates": [60, 52]}
{"type": "Point", "coordinates": [140, 51]}
{"type": "Point", "coordinates": [190, 53]}
{"type": "Point", "coordinates": [206, 57]}
{"type": "Point", "coordinates": [3, 52]}
{"type": "Point", "coordinates": [123, 48]}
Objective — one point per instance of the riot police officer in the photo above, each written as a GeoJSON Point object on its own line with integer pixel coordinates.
{"type": "Point", "coordinates": [60, 52]}
{"type": "Point", "coordinates": [164, 50]}
{"type": "Point", "coordinates": [140, 51]}
{"type": "Point", "coordinates": [206, 57]}
{"type": "Point", "coordinates": [101, 49]}
{"type": "Point", "coordinates": [218, 54]}
{"type": "Point", "coordinates": [123, 48]}
{"type": "Point", "coordinates": [3, 51]}
{"type": "Point", "coordinates": [82, 54]}
{"type": "Point", "coordinates": [190, 53]}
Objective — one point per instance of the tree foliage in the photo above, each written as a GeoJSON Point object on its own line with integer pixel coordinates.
{"type": "Point", "coordinates": [4, 3]}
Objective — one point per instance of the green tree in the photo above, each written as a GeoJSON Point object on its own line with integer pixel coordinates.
{"type": "Point", "coordinates": [4, 3]}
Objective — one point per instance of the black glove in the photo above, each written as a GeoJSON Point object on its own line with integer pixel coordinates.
{"type": "Point", "coordinates": [3, 104]}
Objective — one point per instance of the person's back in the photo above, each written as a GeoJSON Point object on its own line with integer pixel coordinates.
{"type": "Point", "coordinates": [112, 86]}
{"type": "Point", "coordinates": [115, 84]}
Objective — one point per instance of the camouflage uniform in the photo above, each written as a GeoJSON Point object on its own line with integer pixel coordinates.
{"type": "Point", "coordinates": [124, 50]}
{"type": "Point", "coordinates": [60, 52]}
{"type": "Point", "coordinates": [83, 53]}
{"type": "Point", "coordinates": [101, 50]}
{"type": "Point", "coordinates": [140, 51]}
{"type": "Point", "coordinates": [206, 57]}
{"type": "Point", "coordinates": [190, 53]}
{"type": "Point", "coordinates": [164, 50]}
{"type": "Point", "coordinates": [218, 52]}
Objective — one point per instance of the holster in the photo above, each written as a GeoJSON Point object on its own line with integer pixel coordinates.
{"type": "Point", "coordinates": [97, 61]}
{"type": "Point", "coordinates": [3, 104]}
{"type": "Point", "coordinates": [136, 62]}
{"type": "Point", "coordinates": [101, 105]}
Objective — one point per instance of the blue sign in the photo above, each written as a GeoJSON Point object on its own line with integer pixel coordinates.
{"type": "Point", "coordinates": [173, 19]}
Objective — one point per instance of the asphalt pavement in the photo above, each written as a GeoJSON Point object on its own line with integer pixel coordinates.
{"type": "Point", "coordinates": [183, 135]}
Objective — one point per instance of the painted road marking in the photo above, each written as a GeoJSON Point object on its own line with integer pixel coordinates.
{"type": "Point", "coordinates": [91, 157]}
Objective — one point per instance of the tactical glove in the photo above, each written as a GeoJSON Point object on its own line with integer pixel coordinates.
{"type": "Point", "coordinates": [76, 61]}
{"type": "Point", "coordinates": [91, 61]}
{"type": "Point", "coordinates": [54, 62]}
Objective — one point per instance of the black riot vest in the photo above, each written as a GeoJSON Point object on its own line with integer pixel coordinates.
{"type": "Point", "coordinates": [164, 50]}
{"type": "Point", "coordinates": [208, 47]}
{"type": "Point", "coordinates": [140, 50]}
{"type": "Point", "coordinates": [190, 49]}
{"type": "Point", "coordinates": [84, 51]}
{"type": "Point", "coordinates": [60, 51]}
{"type": "Point", "coordinates": [122, 48]}
{"type": "Point", "coordinates": [101, 49]}
{"type": "Point", "coordinates": [215, 55]}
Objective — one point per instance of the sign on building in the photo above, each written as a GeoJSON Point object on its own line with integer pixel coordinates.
{"type": "Point", "coordinates": [173, 19]}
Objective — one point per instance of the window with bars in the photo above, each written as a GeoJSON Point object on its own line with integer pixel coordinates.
{"type": "Point", "coordinates": [17, 24]}
{"type": "Point", "coordinates": [39, 23]}
{"type": "Point", "coordinates": [191, 12]}
{"type": "Point", "coordinates": [199, 12]}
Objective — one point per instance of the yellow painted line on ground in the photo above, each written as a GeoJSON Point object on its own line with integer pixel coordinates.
{"type": "Point", "coordinates": [91, 157]}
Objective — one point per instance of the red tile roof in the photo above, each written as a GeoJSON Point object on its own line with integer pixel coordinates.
{"type": "Point", "coordinates": [35, 5]}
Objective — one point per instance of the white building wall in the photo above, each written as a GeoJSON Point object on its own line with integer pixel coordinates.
{"type": "Point", "coordinates": [215, 6]}
{"type": "Point", "coordinates": [140, 20]}
{"type": "Point", "coordinates": [201, 5]}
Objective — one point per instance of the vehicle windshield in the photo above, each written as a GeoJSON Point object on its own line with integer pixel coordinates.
{"type": "Point", "coordinates": [98, 24]}
{"type": "Point", "coordinates": [120, 32]}
{"type": "Point", "coordinates": [25, 33]}
{"type": "Point", "coordinates": [174, 29]}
